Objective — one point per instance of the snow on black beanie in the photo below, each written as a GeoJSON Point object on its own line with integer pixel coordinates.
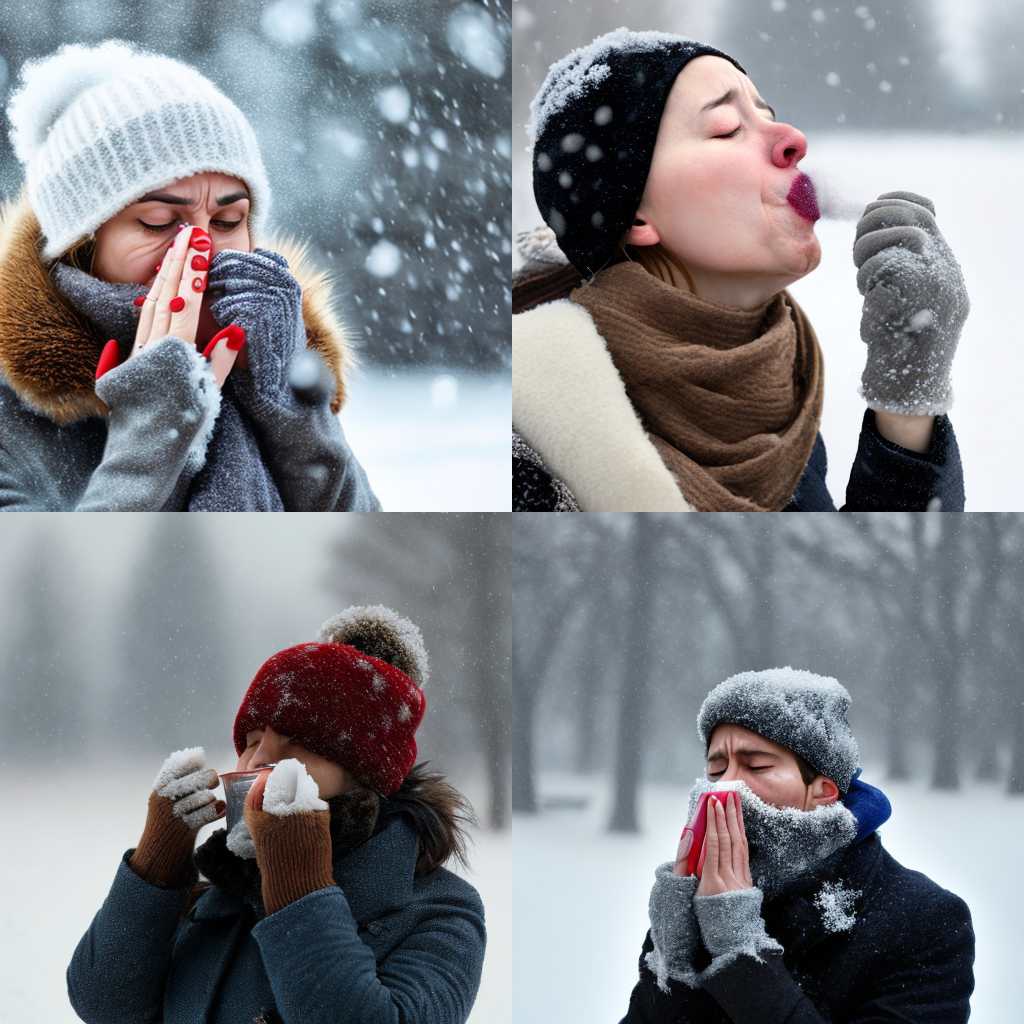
{"type": "Point", "coordinates": [594, 123]}
{"type": "Point", "coordinates": [797, 709]}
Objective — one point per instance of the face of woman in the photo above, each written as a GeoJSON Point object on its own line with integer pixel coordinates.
{"type": "Point", "coordinates": [133, 242]}
{"type": "Point", "coordinates": [716, 194]}
{"type": "Point", "coordinates": [265, 746]}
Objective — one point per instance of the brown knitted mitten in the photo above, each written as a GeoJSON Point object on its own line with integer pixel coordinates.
{"type": "Point", "coordinates": [293, 852]}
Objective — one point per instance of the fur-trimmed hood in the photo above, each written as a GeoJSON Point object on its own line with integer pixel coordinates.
{"type": "Point", "coordinates": [49, 351]}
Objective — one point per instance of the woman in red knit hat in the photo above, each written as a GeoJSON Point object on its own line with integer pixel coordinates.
{"type": "Point", "coordinates": [328, 899]}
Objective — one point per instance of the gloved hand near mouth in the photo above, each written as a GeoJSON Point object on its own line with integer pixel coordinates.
{"type": "Point", "coordinates": [915, 306]}
{"type": "Point", "coordinates": [291, 830]}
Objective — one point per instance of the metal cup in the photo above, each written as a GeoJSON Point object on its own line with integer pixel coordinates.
{"type": "Point", "coordinates": [236, 786]}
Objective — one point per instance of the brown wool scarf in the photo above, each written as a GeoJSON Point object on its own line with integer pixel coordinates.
{"type": "Point", "coordinates": [730, 398]}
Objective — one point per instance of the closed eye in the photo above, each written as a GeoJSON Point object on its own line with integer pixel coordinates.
{"type": "Point", "coordinates": [222, 225]}
{"type": "Point", "coordinates": [762, 769]}
{"type": "Point", "coordinates": [735, 131]}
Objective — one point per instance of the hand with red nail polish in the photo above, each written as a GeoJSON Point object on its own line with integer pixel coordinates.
{"type": "Point", "coordinates": [175, 297]}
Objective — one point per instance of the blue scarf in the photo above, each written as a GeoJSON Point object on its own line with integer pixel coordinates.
{"type": "Point", "coordinates": [868, 804]}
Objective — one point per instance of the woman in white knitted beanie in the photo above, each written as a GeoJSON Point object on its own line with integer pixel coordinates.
{"type": "Point", "coordinates": [152, 358]}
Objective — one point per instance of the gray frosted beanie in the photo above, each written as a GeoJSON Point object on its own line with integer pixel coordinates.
{"type": "Point", "coordinates": [594, 124]}
{"type": "Point", "coordinates": [97, 127]}
{"type": "Point", "coordinates": [799, 710]}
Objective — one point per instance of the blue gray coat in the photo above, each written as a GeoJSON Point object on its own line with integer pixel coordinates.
{"type": "Point", "coordinates": [379, 947]}
{"type": "Point", "coordinates": [155, 433]}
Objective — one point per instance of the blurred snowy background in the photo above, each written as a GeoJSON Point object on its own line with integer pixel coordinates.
{"type": "Point", "coordinates": [385, 127]}
{"type": "Point", "coordinates": [131, 637]}
{"type": "Point", "coordinates": [622, 626]}
{"type": "Point", "coordinates": [926, 96]}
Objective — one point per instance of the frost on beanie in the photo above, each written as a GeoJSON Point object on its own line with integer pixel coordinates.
{"type": "Point", "coordinates": [355, 696]}
{"type": "Point", "coordinates": [594, 123]}
{"type": "Point", "coordinates": [98, 127]}
{"type": "Point", "coordinates": [799, 710]}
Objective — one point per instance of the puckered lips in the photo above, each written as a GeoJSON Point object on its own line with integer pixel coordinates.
{"type": "Point", "coordinates": [803, 198]}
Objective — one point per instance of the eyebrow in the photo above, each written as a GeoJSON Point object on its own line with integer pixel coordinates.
{"type": "Point", "coordinates": [173, 200]}
{"type": "Point", "coordinates": [719, 755]}
{"type": "Point", "coordinates": [730, 97]}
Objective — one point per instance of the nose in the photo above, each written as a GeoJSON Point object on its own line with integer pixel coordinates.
{"type": "Point", "coordinates": [789, 147]}
{"type": "Point", "coordinates": [731, 774]}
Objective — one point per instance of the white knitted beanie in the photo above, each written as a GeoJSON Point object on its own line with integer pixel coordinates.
{"type": "Point", "coordinates": [98, 127]}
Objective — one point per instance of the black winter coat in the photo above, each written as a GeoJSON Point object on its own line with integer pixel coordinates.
{"type": "Point", "coordinates": [908, 958]}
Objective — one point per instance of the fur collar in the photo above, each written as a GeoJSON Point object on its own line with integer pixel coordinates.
{"type": "Point", "coordinates": [570, 404]}
{"type": "Point", "coordinates": [49, 351]}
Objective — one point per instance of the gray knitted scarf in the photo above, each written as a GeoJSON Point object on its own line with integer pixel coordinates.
{"type": "Point", "coordinates": [785, 842]}
{"type": "Point", "coordinates": [234, 478]}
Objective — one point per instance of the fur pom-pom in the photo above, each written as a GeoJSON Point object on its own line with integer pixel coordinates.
{"type": "Point", "coordinates": [381, 633]}
{"type": "Point", "coordinates": [49, 85]}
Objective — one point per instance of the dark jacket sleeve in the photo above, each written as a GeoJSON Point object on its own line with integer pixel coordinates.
{"type": "Point", "coordinates": [648, 1004]}
{"type": "Point", "coordinates": [932, 981]}
{"type": "Point", "coordinates": [889, 478]}
{"type": "Point", "coordinates": [119, 968]}
{"type": "Point", "coordinates": [321, 972]}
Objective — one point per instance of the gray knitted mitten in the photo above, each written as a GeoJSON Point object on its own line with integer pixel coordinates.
{"type": "Point", "coordinates": [915, 305]}
{"type": "Point", "coordinates": [730, 925]}
{"type": "Point", "coordinates": [673, 927]}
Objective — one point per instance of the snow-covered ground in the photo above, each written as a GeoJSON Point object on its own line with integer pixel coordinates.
{"type": "Point", "coordinates": [580, 894]}
{"type": "Point", "coordinates": [433, 440]}
{"type": "Point", "coordinates": [974, 183]}
{"type": "Point", "coordinates": [65, 830]}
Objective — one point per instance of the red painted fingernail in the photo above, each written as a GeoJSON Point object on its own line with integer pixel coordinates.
{"type": "Point", "coordinates": [236, 337]}
{"type": "Point", "coordinates": [177, 304]}
{"type": "Point", "coordinates": [139, 300]}
{"type": "Point", "coordinates": [200, 263]}
{"type": "Point", "coordinates": [201, 244]}
{"type": "Point", "coordinates": [199, 284]}
{"type": "Point", "coordinates": [109, 358]}
{"type": "Point", "coordinates": [233, 336]}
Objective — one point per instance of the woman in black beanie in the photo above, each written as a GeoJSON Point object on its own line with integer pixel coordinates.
{"type": "Point", "coordinates": [658, 362]}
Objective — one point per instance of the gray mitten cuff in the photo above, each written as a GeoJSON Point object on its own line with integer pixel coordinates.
{"type": "Point", "coordinates": [731, 925]}
{"type": "Point", "coordinates": [915, 306]}
{"type": "Point", "coordinates": [163, 406]}
{"type": "Point", "coordinates": [673, 928]}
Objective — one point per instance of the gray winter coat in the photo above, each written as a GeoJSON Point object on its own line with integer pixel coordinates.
{"type": "Point", "coordinates": [155, 433]}
{"type": "Point", "coordinates": [379, 947]}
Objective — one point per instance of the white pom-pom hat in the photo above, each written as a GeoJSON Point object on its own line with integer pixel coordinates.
{"type": "Point", "coordinates": [354, 696]}
{"type": "Point", "coordinates": [97, 127]}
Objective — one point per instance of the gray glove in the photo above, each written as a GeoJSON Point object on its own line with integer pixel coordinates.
{"type": "Point", "coordinates": [673, 927]}
{"type": "Point", "coordinates": [915, 305]}
{"type": "Point", "coordinates": [731, 924]}
{"type": "Point", "coordinates": [287, 388]}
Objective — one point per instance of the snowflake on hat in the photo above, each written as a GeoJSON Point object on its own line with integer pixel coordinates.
{"type": "Point", "coordinates": [354, 696]}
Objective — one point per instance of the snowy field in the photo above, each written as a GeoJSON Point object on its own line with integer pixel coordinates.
{"type": "Point", "coordinates": [581, 894]}
{"type": "Point", "coordinates": [974, 183]}
{"type": "Point", "coordinates": [433, 440]}
{"type": "Point", "coordinates": [72, 827]}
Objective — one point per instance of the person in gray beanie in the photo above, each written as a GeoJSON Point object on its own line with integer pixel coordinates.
{"type": "Point", "coordinates": [159, 351]}
{"type": "Point", "coordinates": [659, 363]}
{"type": "Point", "coordinates": [794, 911]}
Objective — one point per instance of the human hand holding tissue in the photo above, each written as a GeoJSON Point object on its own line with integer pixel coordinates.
{"type": "Point", "coordinates": [726, 863]}
{"type": "Point", "coordinates": [290, 828]}
{"type": "Point", "coordinates": [915, 306]}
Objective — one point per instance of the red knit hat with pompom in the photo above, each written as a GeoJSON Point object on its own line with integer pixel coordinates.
{"type": "Point", "coordinates": [355, 696]}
